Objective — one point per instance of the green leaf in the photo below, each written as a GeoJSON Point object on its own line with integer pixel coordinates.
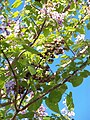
{"type": "Point", "coordinates": [65, 74]}
{"type": "Point", "coordinates": [27, 115]}
{"type": "Point", "coordinates": [32, 70]}
{"type": "Point", "coordinates": [88, 26]}
{"type": "Point", "coordinates": [64, 56]}
{"type": "Point", "coordinates": [15, 14]}
{"type": "Point", "coordinates": [71, 29]}
{"type": "Point", "coordinates": [73, 6]}
{"type": "Point", "coordinates": [81, 30]}
{"type": "Point", "coordinates": [46, 118]}
{"type": "Point", "coordinates": [54, 97]}
{"type": "Point", "coordinates": [57, 93]}
{"type": "Point", "coordinates": [69, 101]}
{"type": "Point", "coordinates": [16, 4]}
{"type": "Point", "coordinates": [23, 83]}
{"type": "Point", "coordinates": [76, 80]}
{"type": "Point", "coordinates": [53, 106]}
{"type": "Point", "coordinates": [28, 7]}
{"type": "Point", "coordinates": [57, 96]}
{"type": "Point", "coordinates": [33, 107]}
{"type": "Point", "coordinates": [85, 73]}
{"type": "Point", "coordinates": [30, 49]}
{"type": "Point", "coordinates": [2, 79]}
{"type": "Point", "coordinates": [46, 32]}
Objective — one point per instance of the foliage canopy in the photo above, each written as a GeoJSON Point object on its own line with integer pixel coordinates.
{"type": "Point", "coordinates": [31, 39]}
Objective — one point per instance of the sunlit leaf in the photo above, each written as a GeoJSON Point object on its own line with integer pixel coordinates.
{"type": "Point", "coordinates": [69, 101]}
{"type": "Point", "coordinates": [16, 4]}
{"type": "Point", "coordinates": [53, 106]}
{"type": "Point", "coordinates": [32, 70]}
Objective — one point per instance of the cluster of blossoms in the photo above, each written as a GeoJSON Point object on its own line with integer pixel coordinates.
{"type": "Point", "coordinates": [88, 1]}
{"type": "Point", "coordinates": [10, 85]}
{"type": "Point", "coordinates": [80, 37]}
{"type": "Point", "coordinates": [6, 26]}
{"type": "Point", "coordinates": [51, 12]}
{"type": "Point", "coordinates": [88, 9]}
{"type": "Point", "coordinates": [66, 112]}
{"type": "Point", "coordinates": [40, 113]}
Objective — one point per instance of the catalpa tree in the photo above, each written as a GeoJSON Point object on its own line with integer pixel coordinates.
{"type": "Point", "coordinates": [31, 39]}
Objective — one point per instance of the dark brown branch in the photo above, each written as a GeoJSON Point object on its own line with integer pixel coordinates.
{"type": "Point", "coordinates": [38, 33]}
{"type": "Point", "coordinates": [35, 37]}
{"type": "Point", "coordinates": [14, 77]}
{"type": "Point", "coordinates": [68, 7]}
{"type": "Point", "coordinates": [58, 85]}
{"type": "Point", "coordinates": [10, 66]}
{"type": "Point", "coordinates": [23, 98]}
{"type": "Point", "coordinates": [69, 48]}
{"type": "Point", "coordinates": [13, 118]}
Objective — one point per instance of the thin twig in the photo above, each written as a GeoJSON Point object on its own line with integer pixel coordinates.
{"type": "Point", "coordinates": [69, 48]}
{"type": "Point", "coordinates": [23, 98]}
{"type": "Point", "coordinates": [13, 118]}
{"type": "Point", "coordinates": [68, 7]}
{"type": "Point", "coordinates": [38, 33]}
{"type": "Point", "coordinates": [35, 37]}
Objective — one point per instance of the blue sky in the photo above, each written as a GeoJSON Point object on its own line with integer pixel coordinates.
{"type": "Point", "coordinates": [81, 94]}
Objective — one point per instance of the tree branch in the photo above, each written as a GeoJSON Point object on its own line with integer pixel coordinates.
{"type": "Point", "coordinates": [10, 67]}
{"type": "Point", "coordinates": [35, 37]}
{"type": "Point", "coordinates": [68, 7]}
{"type": "Point", "coordinates": [13, 118]}
{"type": "Point", "coordinates": [58, 85]}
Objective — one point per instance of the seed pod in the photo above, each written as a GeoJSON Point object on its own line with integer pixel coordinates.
{"type": "Point", "coordinates": [58, 45]}
{"type": "Point", "coordinates": [61, 51]}
{"type": "Point", "coordinates": [52, 56]}
{"type": "Point", "coordinates": [50, 61]}
{"type": "Point", "coordinates": [52, 49]}
{"type": "Point", "coordinates": [21, 90]}
{"type": "Point", "coordinates": [27, 76]}
{"type": "Point", "coordinates": [48, 50]}
{"type": "Point", "coordinates": [62, 41]}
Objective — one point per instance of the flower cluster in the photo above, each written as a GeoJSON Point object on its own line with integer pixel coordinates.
{"type": "Point", "coordinates": [40, 113]}
{"type": "Point", "coordinates": [66, 112]}
{"type": "Point", "coordinates": [10, 85]}
{"type": "Point", "coordinates": [88, 9]}
{"type": "Point", "coordinates": [79, 38]}
{"type": "Point", "coordinates": [51, 12]}
{"type": "Point", "coordinates": [88, 1]}
{"type": "Point", "coordinates": [11, 26]}
{"type": "Point", "coordinates": [4, 26]}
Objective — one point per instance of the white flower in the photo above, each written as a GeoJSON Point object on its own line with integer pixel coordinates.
{"type": "Point", "coordinates": [71, 114]}
{"type": "Point", "coordinates": [88, 10]}
{"type": "Point", "coordinates": [79, 38]}
{"type": "Point", "coordinates": [16, 27]}
{"type": "Point", "coordinates": [64, 111]}
{"type": "Point", "coordinates": [88, 1]}
{"type": "Point", "coordinates": [40, 113]}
